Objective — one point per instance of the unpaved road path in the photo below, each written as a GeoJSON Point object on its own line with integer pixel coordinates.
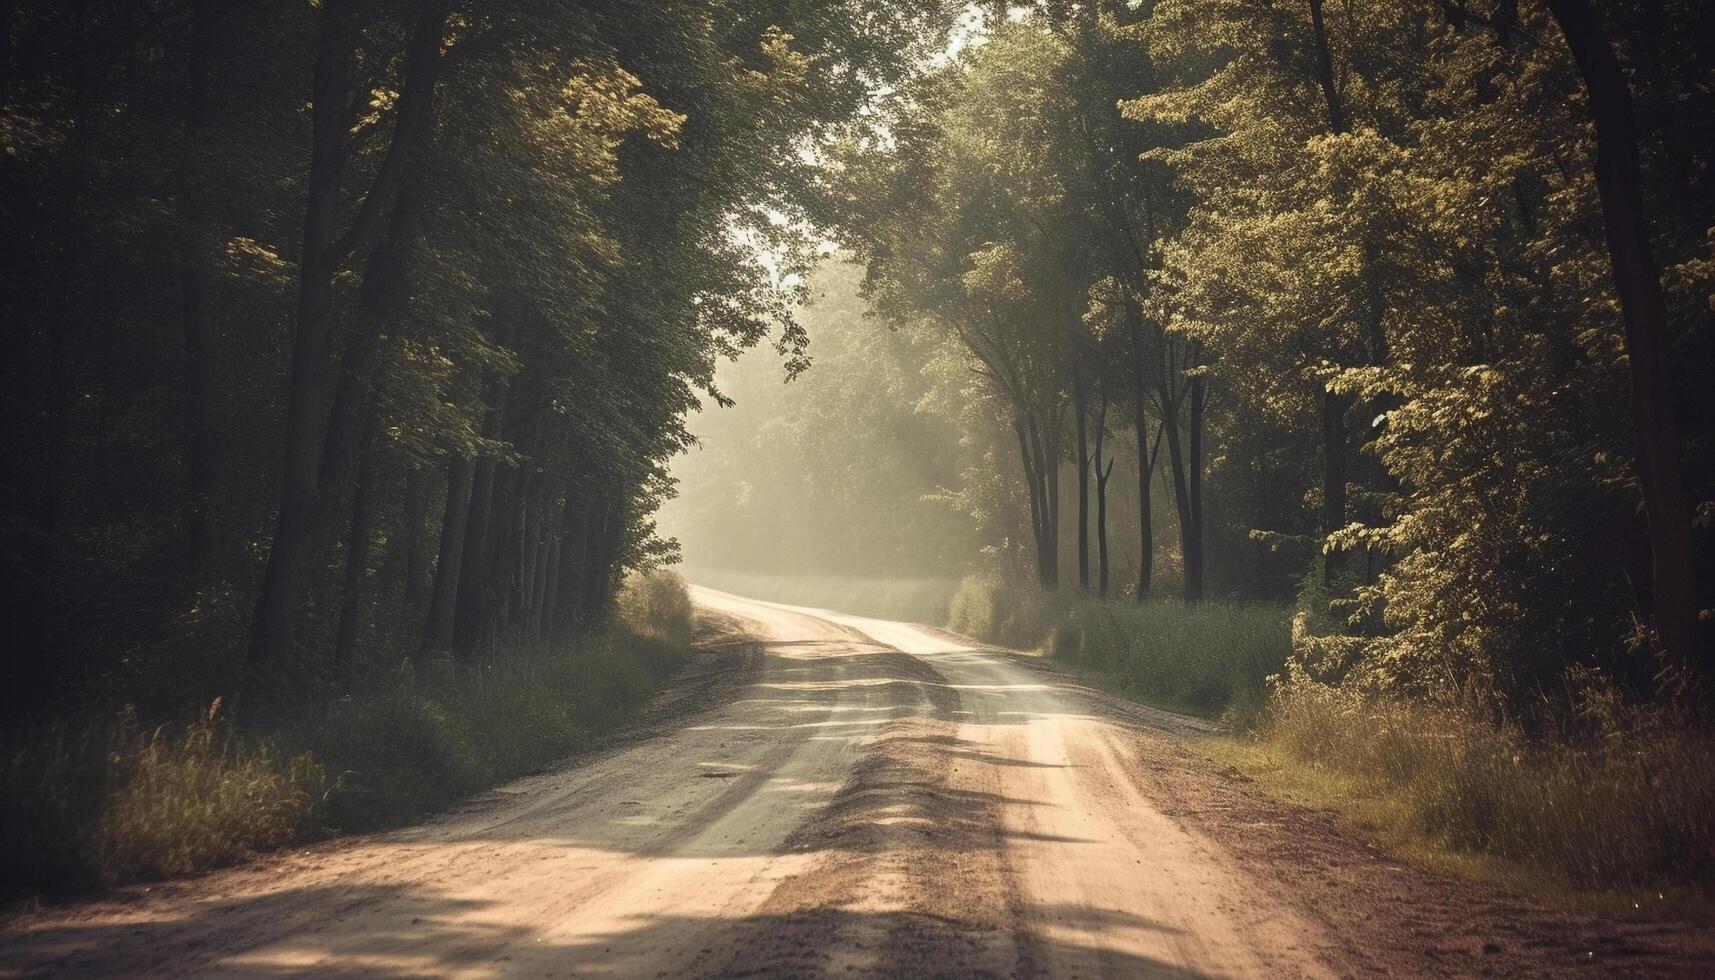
{"type": "Point", "coordinates": [879, 799]}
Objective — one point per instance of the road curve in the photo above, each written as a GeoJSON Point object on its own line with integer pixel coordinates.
{"type": "Point", "coordinates": [881, 800]}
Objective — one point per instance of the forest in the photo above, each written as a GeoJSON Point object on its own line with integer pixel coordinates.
{"type": "Point", "coordinates": [1335, 370]}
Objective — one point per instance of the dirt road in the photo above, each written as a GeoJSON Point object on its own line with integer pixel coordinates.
{"type": "Point", "coordinates": [880, 799]}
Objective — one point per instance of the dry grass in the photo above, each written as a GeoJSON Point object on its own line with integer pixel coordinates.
{"type": "Point", "coordinates": [91, 799]}
{"type": "Point", "coordinates": [1623, 804]}
{"type": "Point", "coordinates": [201, 797]}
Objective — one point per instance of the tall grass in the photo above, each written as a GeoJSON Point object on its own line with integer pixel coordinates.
{"type": "Point", "coordinates": [1625, 800]}
{"type": "Point", "coordinates": [1206, 659]}
{"type": "Point", "coordinates": [92, 799]}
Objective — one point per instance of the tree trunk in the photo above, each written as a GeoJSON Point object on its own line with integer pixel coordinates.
{"type": "Point", "coordinates": [1192, 536]}
{"type": "Point", "coordinates": [1181, 495]}
{"type": "Point", "coordinates": [1080, 409]}
{"type": "Point", "coordinates": [202, 462]}
{"type": "Point", "coordinates": [1637, 280]}
{"type": "Point", "coordinates": [303, 506]}
{"type": "Point", "coordinates": [547, 612]}
{"type": "Point", "coordinates": [416, 513]}
{"type": "Point", "coordinates": [357, 553]}
{"type": "Point", "coordinates": [1333, 480]}
{"type": "Point", "coordinates": [438, 626]}
{"type": "Point", "coordinates": [1145, 511]}
{"type": "Point", "coordinates": [1102, 475]}
{"type": "Point", "coordinates": [1033, 486]}
{"type": "Point", "coordinates": [1051, 472]}
{"type": "Point", "coordinates": [474, 583]}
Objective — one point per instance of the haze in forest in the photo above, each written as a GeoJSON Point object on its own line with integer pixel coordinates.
{"type": "Point", "coordinates": [892, 487]}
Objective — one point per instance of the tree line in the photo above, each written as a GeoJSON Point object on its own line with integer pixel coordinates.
{"type": "Point", "coordinates": [351, 334]}
{"type": "Point", "coordinates": [1404, 305]}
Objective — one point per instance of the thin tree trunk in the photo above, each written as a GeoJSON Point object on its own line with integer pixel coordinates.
{"type": "Point", "coordinates": [1637, 280]}
{"type": "Point", "coordinates": [1080, 409]}
{"type": "Point", "coordinates": [416, 513]}
{"type": "Point", "coordinates": [1333, 480]}
{"type": "Point", "coordinates": [1145, 520]}
{"type": "Point", "coordinates": [357, 553]}
{"type": "Point", "coordinates": [1181, 497]}
{"type": "Point", "coordinates": [547, 613]}
{"type": "Point", "coordinates": [1033, 487]}
{"type": "Point", "coordinates": [1051, 472]}
{"type": "Point", "coordinates": [1146, 511]}
{"type": "Point", "coordinates": [438, 626]}
{"type": "Point", "coordinates": [468, 618]}
{"type": "Point", "coordinates": [202, 530]}
{"type": "Point", "coordinates": [1102, 474]}
{"type": "Point", "coordinates": [1192, 536]}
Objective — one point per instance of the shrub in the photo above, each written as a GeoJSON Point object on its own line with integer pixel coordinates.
{"type": "Point", "coordinates": [199, 798]}
{"type": "Point", "coordinates": [1205, 659]}
{"type": "Point", "coordinates": [995, 610]}
{"type": "Point", "coordinates": [90, 799]}
{"type": "Point", "coordinates": [657, 605]}
{"type": "Point", "coordinates": [87, 800]}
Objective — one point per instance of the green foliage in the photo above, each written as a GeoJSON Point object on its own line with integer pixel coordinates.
{"type": "Point", "coordinates": [656, 605]}
{"type": "Point", "coordinates": [182, 802]}
{"type": "Point", "coordinates": [994, 609]}
{"type": "Point", "coordinates": [1212, 659]}
{"type": "Point", "coordinates": [85, 803]}
{"type": "Point", "coordinates": [96, 800]}
{"type": "Point", "coordinates": [408, 747]}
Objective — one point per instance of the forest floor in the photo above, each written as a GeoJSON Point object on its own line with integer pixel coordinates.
{"type": "Point", "coordinates": [824, 794]}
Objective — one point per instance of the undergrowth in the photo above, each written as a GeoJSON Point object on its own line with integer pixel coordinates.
{"type": "Point", "coordinates": [92, 799]}
{"type": "Point", "coordinates": [1207, 659]}
{"type": "Point", "coordinates": [1620, 800]}
{"type": "Point", "coordinates": [1617, 799]}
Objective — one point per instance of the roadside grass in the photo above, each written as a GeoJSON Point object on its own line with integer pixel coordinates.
{"type": "Point", "coordinates": [1623, 806]}
{"type": "Point", "coordinates": [1614, 812]}
{"type": "Point", "coordinates": [92, 800]}
{"type": "Point", "coordinates": [1210, 660]}
{"type": "Point", "coordinates": [911, 600]}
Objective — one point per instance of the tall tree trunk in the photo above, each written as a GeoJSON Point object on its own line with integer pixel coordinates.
{"type": "Point", "coordinates": [1029, 450]}
{"type": "Point", "coordinates": [297, 530]}
{"type": "Point", "coordinates": [443, 598]}
{"type": "Point", "coordinates": [548, 610]}
{"type": "Point", "coordinates": [1333, 480]}
{"type": "Point", "coordinates": [1637, 280]}
{"type": "Point", "coordinates": [1145, 510]}
{"type": "Point", "coordinates": [416, 564]}
{"type": "Point", "coordinates": [1051, 472]}
{"type": "Point", "coordinates": [357, 553]}
{"type": "Point", "coordinates": [195, 260]}
{"type": "Point", "coordinates": [474, 583]}
{"type": "Point", "coordinates": [1191, 536]}
{"type": "Point", "coordinates": [1181, 496]}
{"type": "Point", "coordinates": [1080, 409]}
{"type": "Point", "coordinates": [1102, 474]}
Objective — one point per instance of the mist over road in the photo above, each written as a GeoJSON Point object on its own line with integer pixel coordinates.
{"type": "Point", "coordinates": [879, 799]}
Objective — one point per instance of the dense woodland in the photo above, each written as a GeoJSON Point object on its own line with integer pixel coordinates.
{"type": "Point", "coordinates": [1323, 304]}
{"type": "Point", "coordinates": [349, 333]}
{"type": "Point", "coordinates": [1407, 307]}
{"type": "Point", "coordinates": [349, 341]}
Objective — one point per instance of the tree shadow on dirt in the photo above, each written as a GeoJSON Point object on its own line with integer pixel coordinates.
{"type": "Point", "coordinates": [408, 931]}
